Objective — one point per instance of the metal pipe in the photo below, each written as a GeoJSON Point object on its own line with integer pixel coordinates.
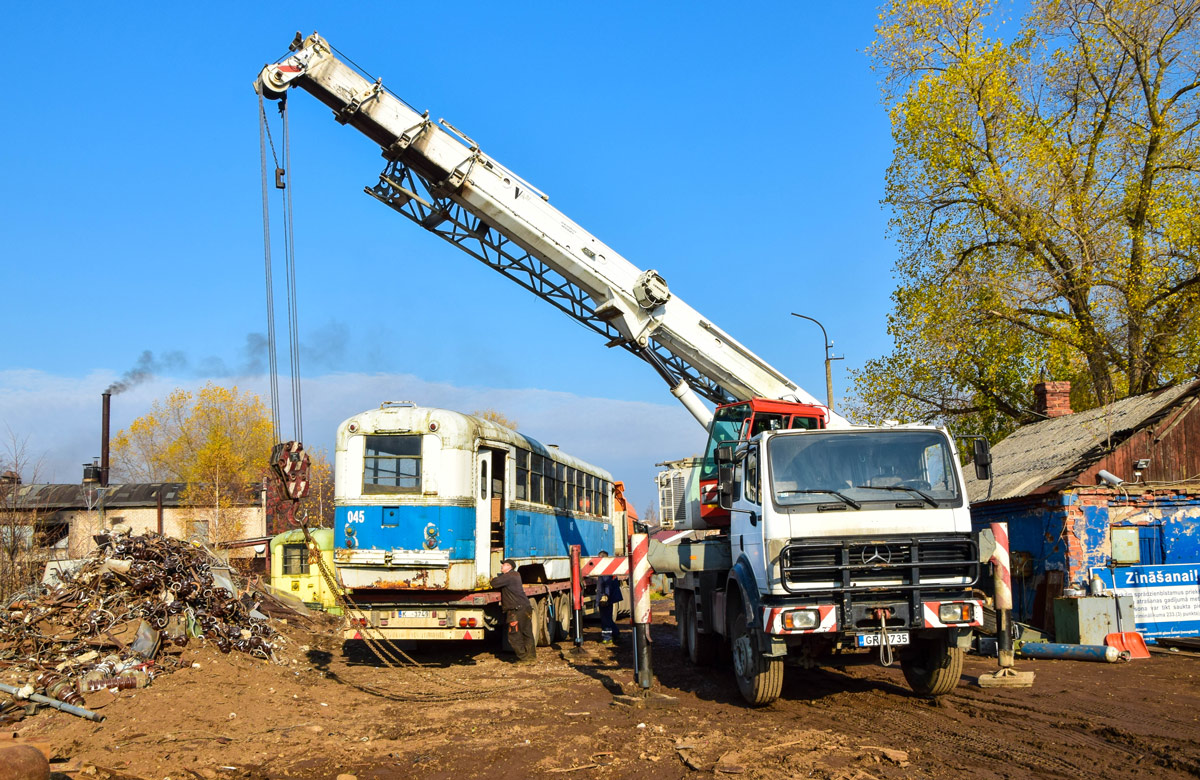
{"type": "Point", "coordinates": [55, 703]}
{"type": "Point", "coordinates": [105, 403]}
{"type": "Point", "coordinates": [1051, 650]}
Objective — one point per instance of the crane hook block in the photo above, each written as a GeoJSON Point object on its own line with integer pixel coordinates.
{"type": "Point", "coordinates": [290, 462]}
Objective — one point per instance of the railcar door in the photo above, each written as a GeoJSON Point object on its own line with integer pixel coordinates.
{"type": "Point", "coordinates": [483, 514]}
{"type": "Point", "coordinates": [489, 511]}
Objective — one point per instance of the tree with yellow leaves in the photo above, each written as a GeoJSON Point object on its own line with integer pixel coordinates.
{"type": "Point", "coordinates": [1044, 190]}
{"type": "Point", "coordinates": [217, 441]}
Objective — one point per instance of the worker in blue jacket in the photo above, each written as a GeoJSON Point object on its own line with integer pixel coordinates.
{"type": "Point", "coordinates": [608, 594]}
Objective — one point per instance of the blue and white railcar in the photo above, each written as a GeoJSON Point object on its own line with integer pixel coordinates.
{"type": "Point", "coordinates": [432, 500]}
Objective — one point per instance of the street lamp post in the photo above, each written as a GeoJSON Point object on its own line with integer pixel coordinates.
{"type": "Point", "coordinates": [828, 358]}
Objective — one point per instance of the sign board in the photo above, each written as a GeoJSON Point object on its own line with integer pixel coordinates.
{"type": "Point", "coordinates": [1166, 598]}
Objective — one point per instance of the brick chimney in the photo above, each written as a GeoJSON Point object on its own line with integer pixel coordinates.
{"type": "Point", "coordinates": [1052, 399]}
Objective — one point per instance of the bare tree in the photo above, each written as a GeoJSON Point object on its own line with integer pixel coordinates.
{"type": "Point", "coordinates": [21, 517]}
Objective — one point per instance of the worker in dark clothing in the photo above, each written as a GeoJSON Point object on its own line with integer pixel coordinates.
{"type": "Point", "coordinates": [608, 594]}
{"type": "Point", "coordinates": [518, 613]}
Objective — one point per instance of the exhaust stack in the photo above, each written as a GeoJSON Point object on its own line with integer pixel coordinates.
{"type": "Point", "coordinates": [106, 403]}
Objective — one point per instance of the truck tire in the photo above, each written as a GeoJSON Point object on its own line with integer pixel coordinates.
{"type": "Point", "coordinates": [931, 666]}
{"type": "Point", "coordinates": [701, 648]}
{"type": "Point", "coordinates": [759, 678]}
{"type": "Point", "coordinates": [561, 620]}
{"type": "Point", "coordinates": [681, 613]}
{"type": "Point", "coordinates": [541, 622]}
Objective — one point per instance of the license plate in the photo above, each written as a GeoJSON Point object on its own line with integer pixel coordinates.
{"type": "Point", "coordinates": [417, 613]}
{"type": "Point", "coordinates": [875, 640]}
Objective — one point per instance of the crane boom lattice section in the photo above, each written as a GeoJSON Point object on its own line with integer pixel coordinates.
{"type": "Point", "coordinates": [407, 192]}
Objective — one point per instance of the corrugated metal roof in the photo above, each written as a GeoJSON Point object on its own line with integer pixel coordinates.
{"type": "Point", "coordinates": [56, 497]}
{"type": "Point", "coordinates": [1041, 453]}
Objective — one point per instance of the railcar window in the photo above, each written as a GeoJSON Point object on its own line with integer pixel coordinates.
{"type": "Point", "coordinates": [522, 474]}
{"type": "Point", "coordinates": [392, 464]}
{"type": "Point", "coordinates": [295, 559]}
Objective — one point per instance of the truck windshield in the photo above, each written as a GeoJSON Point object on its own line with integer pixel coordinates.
{"type": "Point", "coordinates": [864, 466]}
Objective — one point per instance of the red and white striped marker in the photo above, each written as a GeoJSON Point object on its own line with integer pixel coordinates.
{"type": "Point", "coordinates": [604, 567]}
{"type": "Point", "coordinates": [1000, 559]}
{"type": "Point", "coordinates": [641, 578]}
{"type": "Point", "coordinates": [639, 546]}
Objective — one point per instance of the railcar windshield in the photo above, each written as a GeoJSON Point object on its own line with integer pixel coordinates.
{"type": "Point", "coordinates": [868, 466]}
{"type": "Point", "coordinates": [392, 464]}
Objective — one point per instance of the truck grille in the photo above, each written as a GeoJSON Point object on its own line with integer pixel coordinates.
{"type": "Point", "coordinates": [876, 565]}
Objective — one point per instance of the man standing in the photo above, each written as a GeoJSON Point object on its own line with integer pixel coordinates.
{"type": "Point", "coordinates": [518, 613]}
{"type": "Point", "coordinates": [608, 593]}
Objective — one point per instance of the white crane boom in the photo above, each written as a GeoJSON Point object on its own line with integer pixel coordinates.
{"type": "Point", "coordinates": [440, 179]}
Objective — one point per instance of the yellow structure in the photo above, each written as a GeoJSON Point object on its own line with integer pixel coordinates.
{"type": "Point", "coordinates": [294, 567]}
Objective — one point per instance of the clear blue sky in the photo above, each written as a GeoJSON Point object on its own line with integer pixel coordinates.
{"type": "Point", "coordinates": [740, 152]}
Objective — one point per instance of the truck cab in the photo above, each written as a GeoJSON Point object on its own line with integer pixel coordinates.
{"type": "Point", "coordinates": [841, 539]}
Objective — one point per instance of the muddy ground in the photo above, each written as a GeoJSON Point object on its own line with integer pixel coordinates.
{"type": "Point", "coordinates": [469, 712]}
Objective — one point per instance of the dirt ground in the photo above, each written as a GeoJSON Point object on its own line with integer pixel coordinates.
{"type": "Point", "coordinates": [469, 712]}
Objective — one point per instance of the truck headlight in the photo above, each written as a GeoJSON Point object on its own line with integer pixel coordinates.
{"type": "Point", "coordinates": [800, 619]}
{"type": "Point", "coordinates": [956, 612]}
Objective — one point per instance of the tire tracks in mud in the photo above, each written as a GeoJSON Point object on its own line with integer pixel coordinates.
{"type": "Point", "coordinates": [939, 736]}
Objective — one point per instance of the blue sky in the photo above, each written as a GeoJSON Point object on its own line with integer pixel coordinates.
{"type": "Point", "coordinates": [742, 155]}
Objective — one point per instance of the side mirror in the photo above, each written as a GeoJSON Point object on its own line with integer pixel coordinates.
{"type": "Point", "coordinates": [725, 475]}
{"type": "Point", "coordinates": [725, 479]}
{"type": "Point", "coordinates": [983, 458]}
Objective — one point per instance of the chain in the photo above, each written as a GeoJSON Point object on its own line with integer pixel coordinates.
{"type": "Point", "coordinates": [395, 658]}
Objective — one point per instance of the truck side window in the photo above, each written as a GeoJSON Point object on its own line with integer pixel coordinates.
{"type": "Point", "coordinates": [751, 486]}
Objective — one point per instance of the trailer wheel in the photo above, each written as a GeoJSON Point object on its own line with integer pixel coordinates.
{"type": "Point", "coordinates": [561, 621]}
{"type": "Point", "coordinates": [759, 678]}
{"type": "Point", "coordinates": [931, 666]}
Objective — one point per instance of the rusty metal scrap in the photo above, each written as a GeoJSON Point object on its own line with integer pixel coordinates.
{"type": "Point", "coordinates": [108, 623]}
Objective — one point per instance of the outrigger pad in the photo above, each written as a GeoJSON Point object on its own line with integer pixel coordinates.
{"type": "Point", "coordinates": [1006, 678]}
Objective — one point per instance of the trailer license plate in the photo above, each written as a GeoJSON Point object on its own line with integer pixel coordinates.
{"type": "Point", "coordinates": [875, 640]}
{"type": "Point", "coordinates": [419, 613]}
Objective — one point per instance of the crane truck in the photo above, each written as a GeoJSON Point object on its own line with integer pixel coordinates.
{"type": "Point", "coordinates": [819, 537]}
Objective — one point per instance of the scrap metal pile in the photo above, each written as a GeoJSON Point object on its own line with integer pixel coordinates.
{"type": "Point", "coordinates": [110, 623]}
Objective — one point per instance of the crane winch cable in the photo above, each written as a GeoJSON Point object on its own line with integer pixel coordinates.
{"type": "Point", "coordinates": [282, 183]}
{"type": "Point", "coordinates": [264, 136]}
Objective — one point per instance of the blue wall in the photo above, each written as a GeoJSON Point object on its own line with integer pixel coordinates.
{"type": "Point", "coordinates": [1039, 526]}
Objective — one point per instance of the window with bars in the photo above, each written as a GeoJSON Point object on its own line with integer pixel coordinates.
{"type": "Point", "coordinates": [392, 464]}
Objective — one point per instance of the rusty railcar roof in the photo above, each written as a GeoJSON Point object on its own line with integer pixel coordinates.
{"type": "Point", "coordinates": [123, 496]}
{"type": "Point", "coordinates": [1049, 454]}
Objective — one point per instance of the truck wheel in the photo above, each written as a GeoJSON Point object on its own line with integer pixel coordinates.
{"type": "Point", "coordinates": [931, 666]}
{"type": "Point", "coordinates": [561, 621]}
{"type": "Point", "coordinates": [701, 648]}
{"type": "Point", "coordinates": [759, 678]}
{"type": "Point", "coordinates": [682, 612]}
{"type": "Point", "coordinates": [541, 622]}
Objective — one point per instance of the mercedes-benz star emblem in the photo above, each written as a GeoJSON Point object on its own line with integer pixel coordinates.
{"type": "Point", "coordinates": [879, 554]}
